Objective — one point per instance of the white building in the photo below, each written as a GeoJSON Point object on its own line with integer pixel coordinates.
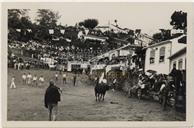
{"type": "Point", "coordinates": [179, 59]}
{"type": "Point", "coordinates": [92, 37]}
{"type": "Point", "coordinates": [102, 28]}
{"type": "Point", "coordinates": [176, 31]}
{"type": "Point", "coordinates": [157, 55]}
{"type": "Point", "coordinates": [76, 64]}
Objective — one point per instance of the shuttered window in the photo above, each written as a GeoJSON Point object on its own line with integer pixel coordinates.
{"type": "Point", "coordinates": [162, 54]}
{"type": "Point", "coordinates": [180, 64]}
{"type": "Point", "coordinates": [152, 56]}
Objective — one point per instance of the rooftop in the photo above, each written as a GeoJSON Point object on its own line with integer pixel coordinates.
{"type": "Point", "coordinates": [180, 52]}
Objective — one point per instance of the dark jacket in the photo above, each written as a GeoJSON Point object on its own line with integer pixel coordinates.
{"type": "Point", "coordinates": [52, 95]}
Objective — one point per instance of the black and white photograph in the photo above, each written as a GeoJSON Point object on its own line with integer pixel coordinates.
{"type": "Point", "coordinates": [97, 62]}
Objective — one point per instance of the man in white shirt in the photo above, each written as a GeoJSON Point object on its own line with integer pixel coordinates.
{"type": "Point", "coordinates": [64, 78]}
{"type": "Point", "coordinates": [114, 85]}
{"type": "Point", "coordinates": [56, 76]}
{"type": "Point", "coordinates": [24, 78]}
{"type": "Point", "coordinates": [13, 83]}
{"type": "Point", "coordinates": [41, 79]}
{"type": "Point", "coordinates": [35, 80]}
{"type": "Point", "coordinates": [29, 78]}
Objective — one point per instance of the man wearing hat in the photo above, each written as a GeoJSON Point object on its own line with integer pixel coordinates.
{"type": "Point", "coordinates": [52, 97]}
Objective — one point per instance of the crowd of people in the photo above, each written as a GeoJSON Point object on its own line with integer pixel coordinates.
{"type": "Point", "coordinates": [38, 50]}
{"type": "Point", "coordinates": [167, 88]}
{"type": "Point", "coordinates": [38, 81]}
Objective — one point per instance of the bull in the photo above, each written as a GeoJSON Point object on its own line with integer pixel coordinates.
{"type": "Point", "coordinates": [100, 91]}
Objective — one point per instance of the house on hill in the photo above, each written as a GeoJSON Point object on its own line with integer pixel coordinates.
{"type": "Point", "coordinates": [160, 56]}
{"type": "Point", "coordinates": [93, 37]}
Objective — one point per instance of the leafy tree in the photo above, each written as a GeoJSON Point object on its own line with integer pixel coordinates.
{"type": "Point", "coordinates": [81, 23]}
{"type": "Point", "coordinates": [46, 19]}
{"type": "Point", "coordinates": [89, 23]}
{"type": "Point", "coordinates": [18, 19]}
{"type": "Point", "coordinates": [179, 20]}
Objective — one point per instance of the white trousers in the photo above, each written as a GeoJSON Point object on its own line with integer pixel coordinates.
{"type": "Point", "coordinates": [12, 85]}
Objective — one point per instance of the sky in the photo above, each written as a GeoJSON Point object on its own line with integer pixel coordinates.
{"type": "Point", "coordinates": [150, 17]}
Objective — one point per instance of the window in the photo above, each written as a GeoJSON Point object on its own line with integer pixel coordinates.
{"type": "Point", "coordinates": [152, 56]}
{"type": "Point", "coordinates": [174, 63]}
{"type": "Point", "coordinates": [180, 64]}
{"type": "Point", "coordinates": [162, 54]}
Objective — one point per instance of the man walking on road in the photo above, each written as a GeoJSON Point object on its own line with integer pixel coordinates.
{"type": "Point", "coordinates": [56, 76]}
{"type": "Point", "coordinates": [52, 97]}
{"type": "Point", "coordinates": [64, 78]}
{"type": "Point", "coordinates": [74, 79]}
{"type": "Point", "coordinates": [13, 82]}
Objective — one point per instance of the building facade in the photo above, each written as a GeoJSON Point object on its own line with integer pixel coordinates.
{"type": "Point", "coordinates": [157, 55]}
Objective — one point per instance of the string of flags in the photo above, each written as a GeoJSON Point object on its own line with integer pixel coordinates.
{"type": "Point", "coordinates": [51, 31]}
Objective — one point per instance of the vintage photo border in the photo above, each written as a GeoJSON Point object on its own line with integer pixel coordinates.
{"type": "Point", "coordinates": [189, 87]}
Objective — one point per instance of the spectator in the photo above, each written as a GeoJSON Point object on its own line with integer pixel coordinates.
{"type": "Point", "coordinates": [29, 78]}
{"type": "Point", "coordinates": [24, 78]}
{"type": "Point", "coordinates": [64, 78]}
{"type": "Point", "coordinates": [41, 79]}
{"type": "Point", "coordinates": [56, 76]}
{"type": "Point", "coordinates": [13, 83]}
{"type": "Point", "coordinates": [74, 79]}
{"type": "Point", "coordinates": [52, 97]}
{"type": "Point", "coordinates": [35, 80]}
{"type": "Point", "coordinates": [114, 84]}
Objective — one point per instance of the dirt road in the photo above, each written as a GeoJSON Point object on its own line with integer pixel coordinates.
{"type": "Point", "coordinates": [78, 103]}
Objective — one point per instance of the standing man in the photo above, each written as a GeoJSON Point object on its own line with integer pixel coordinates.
{"type": "Point", "coordinates": [51, 99]}
{"type": "Point", "coordinates": [177, 78]}
{"type": "Point", "coordinates": [114, 85]}
{"type": "Point", "coordinates": [74, 79]}
{"type": "Point", "coordinates": [56, 76]}
{"type": "Point", "coordinates": [29, 77]}
{"type": "Point", "coordinates": [13, 83]}
{"type": "Point", "coordinates": [64, 78]}
{"type": "Point", "coordinates": [35, 80]}
{"type": "Point", "coordinates": [24, 78]}
{"type": "Point", "coordinates": [41, 81]}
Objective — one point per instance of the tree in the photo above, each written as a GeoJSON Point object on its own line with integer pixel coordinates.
{"type": "Point", "coordinates": [46, 19]}
{"type": "Point", "coordinates": [179, 20]}
{"type": "Point", "coordinates": [164, 34]}
{"type": "Point", "coordinates": [89, 23]}
{"type": "Point", "coordinates": [14, 16]}
{"type": "Point", "coordinates": [81, 23]}
{"type": "Point", "coordinates": [157, 36]}
{"type": "Point", "coordinates": [18, 19]}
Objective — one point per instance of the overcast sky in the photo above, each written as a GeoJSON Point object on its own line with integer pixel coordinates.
{"type": "Point", "coordinates": [148, 17]}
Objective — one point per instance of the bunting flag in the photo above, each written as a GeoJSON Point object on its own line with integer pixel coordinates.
{"type": "Point", "coordinates": [18, 30]}
{"type": "Point", "coordinates": [68, 40]}
{"type": "Point", "coordinates": [29, 30]}
{"type": "Point", "coordinates": [51, 31]}
{"type": "Point", "coordinates": [62, 31]}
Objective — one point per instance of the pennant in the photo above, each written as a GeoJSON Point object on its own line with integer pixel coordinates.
{"type": "Point", "coordinates": [62, 31]}
{"type": "Point", "coordinates": [18, 30]}
{"type": "Point", "coordinates": [51, 31]}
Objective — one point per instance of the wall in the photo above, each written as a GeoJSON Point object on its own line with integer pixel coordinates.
{"type": "Point", "coordinates": [183, 57]}
{"type": "Point", "coordinates": [160, 67]}
{"type": "Point", "coordinates": [176, 46]}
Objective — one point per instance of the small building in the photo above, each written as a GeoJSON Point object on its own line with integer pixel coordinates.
{"type": "Point", "coordinates": [179, 59]}
{"type": "Point", "coordinates": [92, 37]}
{"type": "Point", "coordinates": [157, 55]}
{"type": "Point", "coordinates": [76, 65]}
